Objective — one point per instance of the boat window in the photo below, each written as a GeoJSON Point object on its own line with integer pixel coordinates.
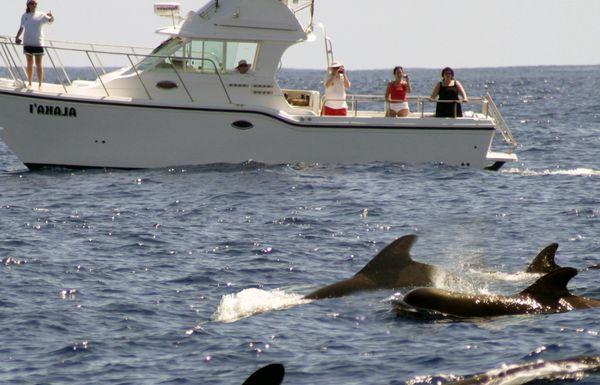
{"type": "Point", "coordinates": [224, 55]}
{"type": "Point", "coordinates": [211, 51]}
{"type": "Point", "coordinates": [240, 51]}
{"type": "Point", "coordinates": [166, 48]}
{"type": "Point", "coordinates": [204, 56]}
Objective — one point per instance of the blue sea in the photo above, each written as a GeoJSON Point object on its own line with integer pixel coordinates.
{"type": "Point", "coordinates": [194, 275]}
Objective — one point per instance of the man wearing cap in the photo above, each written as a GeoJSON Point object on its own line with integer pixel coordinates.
{"type": "Point", "coordinates": [335, 91]}
{"type": "Point", "coordinates": [32, 23]}
{"type": "Point", "coordinates": [243, 67]}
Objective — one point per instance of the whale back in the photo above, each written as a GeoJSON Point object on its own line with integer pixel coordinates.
{"type": "Point", "coordinates": [384, 267]}
{"type": "Point", "coordinates": [267, 375]}
{"type": "Point", "coordinates": [551, 287]}
{"type": "Point", "coordinates": [391, 268]}
{"type": "Point", "coordinates": [544, 261]}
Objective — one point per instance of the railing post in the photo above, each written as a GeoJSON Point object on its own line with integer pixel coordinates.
{"type": "Point", "coordinates": [9, 66]}
{"type": "Point", "coordinates": [182, 83]}
{"type": "Point", "coordinates": [220, 80]}
{"type": "Point", "coordinates": [56, 71]}
{"type": "Point", "coordinates": [96, 71]}
{"type": "Point", "coordinates": [60, 62]}
{"type": "Point", "coordinates": [139, 77]}
{"type": "Point", "coordinates": [20, 61]}
{"type": "Point", "coordinates": [98, 58]}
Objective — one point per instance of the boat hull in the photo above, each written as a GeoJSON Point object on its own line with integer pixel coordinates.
{"type": "Point", "coordinates": [53, 130]}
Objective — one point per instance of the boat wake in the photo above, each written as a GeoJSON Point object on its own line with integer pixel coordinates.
{"type": "Point", "coordinates": [249, 302]}
{"type": "Point", "coordinates": [573, 172]}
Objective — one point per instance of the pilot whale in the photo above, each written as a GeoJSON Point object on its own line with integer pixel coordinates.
{"type": "Point", "coordinates": [271, 374]}
{"type": "Point", "coordinates": [391, 268]}
{"type": "Point", "coordinates": [544, 262]}
{"type": "Point", "coordinates": [549, 294]}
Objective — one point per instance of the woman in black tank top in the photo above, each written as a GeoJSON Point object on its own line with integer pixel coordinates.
{"type": "Point", "coordinates": [448, 89]}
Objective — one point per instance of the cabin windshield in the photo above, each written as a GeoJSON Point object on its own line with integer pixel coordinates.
{"type": "Point", "coordinates": [204, 56]}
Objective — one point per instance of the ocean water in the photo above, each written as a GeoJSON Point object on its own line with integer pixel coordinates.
{"type": "Point", "coordinates": [195, 275]}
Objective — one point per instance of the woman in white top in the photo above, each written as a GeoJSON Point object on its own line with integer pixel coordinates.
{"type": "Point", "coordinates": [32, 23]}
{"type": "Point", "coordinates": [335, 91]}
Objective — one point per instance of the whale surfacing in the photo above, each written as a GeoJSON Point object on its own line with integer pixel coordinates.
{"type": "Point", "coordinates": [271, 374]}
{"type": "Point", "coordinates": [391, 268]}
{"type": "Point", "coordinates": [544, 261]}
{"type": "Point", "coordinates": [549, 294]}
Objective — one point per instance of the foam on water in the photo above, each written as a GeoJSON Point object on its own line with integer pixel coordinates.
{"type": "Point", "coordinates": [249, 302]}
{"type": "Point", "coordinates": [573, 172]}
{"type": "Point", "coordinates": [518, 374]}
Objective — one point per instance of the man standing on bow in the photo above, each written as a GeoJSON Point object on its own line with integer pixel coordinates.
{"type": "Point", "coordinates": [32, 24]}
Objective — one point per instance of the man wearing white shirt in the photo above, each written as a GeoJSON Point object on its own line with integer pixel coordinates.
{"type": "Point", "coordinates": [32, 23]}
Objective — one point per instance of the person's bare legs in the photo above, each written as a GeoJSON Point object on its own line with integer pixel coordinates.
{"type": "Point", "coordinates": [40, 69]}
{"type": "Point", "coordinates": [29, 68]}
{"type": "Point", "coordinates": [403, 113]}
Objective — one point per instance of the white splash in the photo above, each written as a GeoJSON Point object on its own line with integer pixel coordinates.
{"type": "Point", "coordinates": [249, 302]}
{"type": "Point", "coordinates": [508, 277]}
{"type": "Point", "coordinates": [520, 374]}
{"type": "Point", "coordinates": [523, 374]}
{"type": "Point", "coordinates": [573, 172]}
{"type": "Point", "coordinates": [455, 282]}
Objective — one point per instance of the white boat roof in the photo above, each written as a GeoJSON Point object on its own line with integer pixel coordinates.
{"type": "Point", "coordinates": [241, 20]}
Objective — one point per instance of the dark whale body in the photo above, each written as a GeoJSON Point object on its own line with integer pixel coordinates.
{"type": "Point", "coordinates": [549, 294]}
{"type": "Point", "coordinates": [391, 268]}
{"type": "Point", "coordinates": [544, 263]}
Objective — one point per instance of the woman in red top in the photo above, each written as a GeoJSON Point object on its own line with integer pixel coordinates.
{"type": "Point", "coordinates": [396, 94]}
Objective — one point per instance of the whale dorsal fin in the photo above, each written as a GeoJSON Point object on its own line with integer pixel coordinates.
{"type": "Point", "coordinates": [552, 285]}
{"type": "Point", "coordinates": [267, 375]}
{"type": "Point", "coordinates": [391, 259]}
{"type": "Point", "coordinates": [544, 261]}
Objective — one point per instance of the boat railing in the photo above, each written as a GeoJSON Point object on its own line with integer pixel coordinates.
{"type": "Point", "coordinates": [358, 103]}
{"type": "Point", "coordinates": [499, 119]}
{"type": "Point", "coordinates": [130, 57]}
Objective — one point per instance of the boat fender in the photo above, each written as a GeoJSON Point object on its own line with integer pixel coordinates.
{"type": "Point", "coordinates": [166, 84]}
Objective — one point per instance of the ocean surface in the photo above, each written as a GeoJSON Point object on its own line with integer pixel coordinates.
{"type": "Point", "coordinates": [195, 275]}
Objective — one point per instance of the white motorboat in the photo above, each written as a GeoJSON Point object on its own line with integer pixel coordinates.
{"type": "Point", "coordinates": [184, 103]}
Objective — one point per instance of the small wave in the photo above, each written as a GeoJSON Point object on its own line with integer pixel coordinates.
{"type": "Point", "coordinates": [573, 172]}
{"type": "Point", "coordinates": [249, 302]}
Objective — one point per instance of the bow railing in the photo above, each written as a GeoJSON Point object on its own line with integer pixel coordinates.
{"type": "Point", "coordinates": [123, 56]}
